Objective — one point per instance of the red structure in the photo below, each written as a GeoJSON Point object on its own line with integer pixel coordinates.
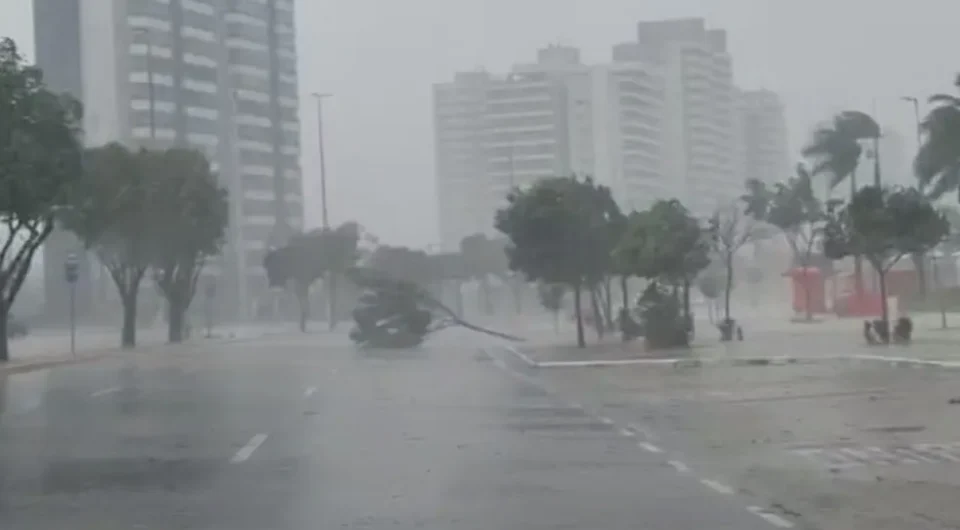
{"type": "Point", "coordinates": [808, 287]}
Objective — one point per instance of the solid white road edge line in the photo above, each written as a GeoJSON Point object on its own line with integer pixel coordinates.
{"type": "Point", "coordinates": [679, 466]}
{"type": "Point", "coordinates": [716, 486]}
{"type": "Point", "coordinates": [105, 391]}
{"type": "Point", "coordinates": [246, 451]}
{"type": "Point", "coordinates": [523, 357]}
{"type": "Point", "coordinates": [650, 447]}
{"type": "Point", "coordinates": [771, 518]}
{"type": "Point", "coordinates": [309, 391]}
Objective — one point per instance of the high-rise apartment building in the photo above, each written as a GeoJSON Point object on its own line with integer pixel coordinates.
{"type": "Point", "coordinates": [216, 75]}
{"type": "Point", "coordinates": [766, 155]}
{"type": "Point", "coordinates": [701, 137]}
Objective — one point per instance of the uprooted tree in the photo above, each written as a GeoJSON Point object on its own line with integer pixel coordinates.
{"type": "Point", "coordinates": [40, 159]}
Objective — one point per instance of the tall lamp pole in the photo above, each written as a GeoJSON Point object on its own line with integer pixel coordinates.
{"type": "Point", "coordinates": [325, 219]}
{"type": "Point", "coordinates": [151, 93]}
{"type": "Point", "coordinates": [916, 116]}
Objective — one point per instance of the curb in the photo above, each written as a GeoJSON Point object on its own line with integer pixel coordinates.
{"type": "Point", "coordinates": [675, 362]}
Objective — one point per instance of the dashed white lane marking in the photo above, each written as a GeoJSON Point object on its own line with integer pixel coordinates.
{"type": "Point", "coordinates": [604, 420]}
{"type": "Point", "coordinates": [246, 451]}
{"type": "Point", "coordinates": [627, 432]}
{"type": "Point", "coordinates": [679, 466]}
{"type": "Point", "coordinates": [717, 487]}
{"type": "Point", "coordinates": [650, 447]}
{"type": "Point", "coordinates": [771, 518]}
{"type": "Point", "coordinates": [309, 391]}
{"type": "Point", "coordinates": [105, 391]}
{"type": "Point", "coordinates": [649, 435]}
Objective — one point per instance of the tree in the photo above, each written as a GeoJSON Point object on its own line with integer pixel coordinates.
{"type": "Point", "coordinates": [40, 159]}
{"type": "Point", "coordinates": [937, 164]}
{"type": "Point", "coordinates": [189, 210]}
{"type": "Point", "coordinates": [665, 243]}
{"type": "Point", "coordinates": [551, 297]}
{"type": "Point", "coordinates": [109, 211]}
{"type": "Point", "coordinates": [484, 257]}
{"type": "Point", "coordinates": [836, 150]}
{"type": "Point", "coordinates": [556, 232]}
{"type": "Point", "coordinates": [730, 229]}
{"type": "Point", "coordinates": [882, 225]}
{"type": "Point", "coordinates": [710, 283]}
{"type": "Point", "coordinates": [307, 257]}
{"type": "Point", "coordinates": [793, 208]}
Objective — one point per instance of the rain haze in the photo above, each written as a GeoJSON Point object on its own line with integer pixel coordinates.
{"type": "Point", "coordinates": [380, 58]}
{"type": "Point", "coordinates": [580, 264]}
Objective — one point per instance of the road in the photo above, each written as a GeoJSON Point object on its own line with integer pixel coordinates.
{"type": "Point", "coordinates": [308, 433]}
{"type": "Point", "coordinates": [836, 444]}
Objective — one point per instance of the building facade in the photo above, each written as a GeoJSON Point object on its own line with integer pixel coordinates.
{"type": "Point", "coordinates": [215, 75]}
{"type": "Point", "coordinates": [766, 153]}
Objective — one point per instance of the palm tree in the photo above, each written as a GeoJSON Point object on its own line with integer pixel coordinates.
{"type": "Point", "coordinates": [937, 165]}
{"type": "Point", "coordinates": [836, 150]}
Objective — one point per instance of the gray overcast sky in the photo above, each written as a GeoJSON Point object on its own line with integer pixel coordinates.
{"type": "Point", "coordinates": [380, 57]}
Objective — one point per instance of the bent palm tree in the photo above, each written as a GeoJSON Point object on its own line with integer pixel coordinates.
{"type": "Point", "coordinates": [937, 164]}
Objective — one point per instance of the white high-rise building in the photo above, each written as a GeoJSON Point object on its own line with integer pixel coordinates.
{"type": "Point", "coordinates": [216, 75]}
{"type": "Point", "coordinates": [766, 155]}
{"type": "Point", "coordinates": [702, 152]}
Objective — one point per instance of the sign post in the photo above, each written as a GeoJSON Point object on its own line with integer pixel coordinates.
{"type": "Point", "coordinates": [70, 272]}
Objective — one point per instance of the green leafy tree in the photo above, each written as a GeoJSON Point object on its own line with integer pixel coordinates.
{"type": "Point", "coordinates": [665, 243]}
{"type": "Point", "coordinates": [190, 213]}
{"type": "Point", "coordinates": [484, 257]}
{"type": "Point", "coordinates": [551, 297]}
{"type": "Point", "coordinates": [730, 229]}
{"type": "Point", "coordinates": [109, 211]}
{"type": "Point", "coordinates": [791, 207]}
{"type": "Point", "coordinates": [882, 225]}
{"type": "Point", "coordinates": [40, 159]}
{"type": "Point", "coordinates": [557, 233]}
{"type": "Point", "coordinates": [308, 257]}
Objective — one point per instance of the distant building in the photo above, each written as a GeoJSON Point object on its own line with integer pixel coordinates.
{"type": "Point", "coordinates": [216, 75]}
{"type": "Point", "coordinates": [765, 137]}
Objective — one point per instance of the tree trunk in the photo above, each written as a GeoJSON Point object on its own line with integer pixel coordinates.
{"type": "Point", "coordinates": [624, 292]}
{"type": "Point", "coordinates": [128, 330]}
{"type": "Point", "coordinates": [729, 288]}
{"type": "Point", "coordinates": [884, 309]}
{"type": "Point", "coordinates": [686, 298]}
{"type": "Point", "coordinates": [4, 343]}
{"type": "Point", "coordinates": [598, 317]}
{"type": "Point", "coordinates": [918, 265]}
{"type": "Point", "coordinates": [175, 319]}
{"type": "Point", "coordinates": [608, 294]}
{"type": "Point", "coordinates": [581, 342]}
{"type": "Point", "coordinates": [303, 297]}
{"type": "Point", "coordinates": [332, 299]}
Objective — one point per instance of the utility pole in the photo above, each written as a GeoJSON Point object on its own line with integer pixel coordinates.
{"type": "Point", "coordinates": [71, 272]}
{"type": "Point", "coordinates": [325, 219]}
{"type": "Point", "coordinates": [916, 116]}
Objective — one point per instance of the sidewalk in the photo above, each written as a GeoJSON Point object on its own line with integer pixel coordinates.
{"type": "Point", "coordinates": [47, 348]}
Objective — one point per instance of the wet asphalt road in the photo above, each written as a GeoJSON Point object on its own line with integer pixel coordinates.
{"type": "Point", "coordinates": [287, 433]}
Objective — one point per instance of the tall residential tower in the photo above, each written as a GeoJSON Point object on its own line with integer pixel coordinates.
{"type": "Point", "coordinates": [216, 75]}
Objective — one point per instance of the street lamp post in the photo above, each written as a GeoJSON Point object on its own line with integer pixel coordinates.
{"type": "Point", "coordinates": [71, 272]}
{"type": "Point", "coordinates": [323, 168]}
{"type": "Point", "coordinates": [151, 94]}
{"type": "Point", "coordinates": [916, 115]}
